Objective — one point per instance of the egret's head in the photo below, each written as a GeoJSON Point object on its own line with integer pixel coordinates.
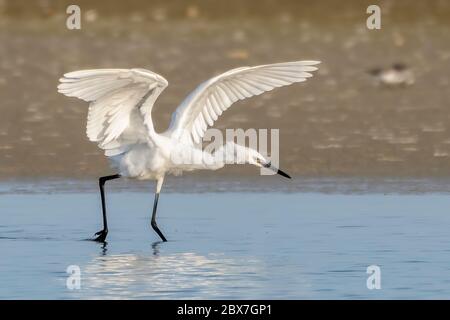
{"type": "Point", "coordinates": [257, 159]}
{"type": "Point", "coordinates": [237, 154]}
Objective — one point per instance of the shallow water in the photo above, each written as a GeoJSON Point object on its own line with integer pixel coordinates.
{"type": "Point", "coordinates": [226, 245]}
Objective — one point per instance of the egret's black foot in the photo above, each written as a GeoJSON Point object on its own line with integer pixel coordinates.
{"type": "Point", "coordinates": [101, 236]}
{"type": "Point", "coordinates": [160, 234]}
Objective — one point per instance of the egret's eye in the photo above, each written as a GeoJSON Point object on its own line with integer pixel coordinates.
{"type": "Point", "coordinates": [268, 164]}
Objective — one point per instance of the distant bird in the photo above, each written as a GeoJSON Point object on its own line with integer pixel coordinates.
{"type": "Point", "coordinates": [395, 76]}
{"type": "Point", "coordinates": [120, 121]}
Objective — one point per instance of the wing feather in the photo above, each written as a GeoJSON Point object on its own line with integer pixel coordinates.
{"type": "Point", "coordinates": [120, 104]}
{"type": "Point", "coordinates": [208, 101]}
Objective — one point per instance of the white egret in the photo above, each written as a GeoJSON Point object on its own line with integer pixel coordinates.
{"type": "Point", "coordinates": [120, 121]}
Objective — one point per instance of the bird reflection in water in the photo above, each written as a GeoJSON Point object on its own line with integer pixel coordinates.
{"type": "Point", "coordinates": [173, 275]}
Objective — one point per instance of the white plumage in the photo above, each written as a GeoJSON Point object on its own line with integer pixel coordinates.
{"type": "Point", "coordinates": [206, 103]}
{"type": "Point", "coordinates": [121, 102]}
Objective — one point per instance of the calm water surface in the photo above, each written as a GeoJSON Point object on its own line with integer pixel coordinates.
{"type": "Point", "coordinates": [226, 245]}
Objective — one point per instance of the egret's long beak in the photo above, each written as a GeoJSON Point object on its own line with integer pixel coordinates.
{"type": "Point", "coordinates": [284, 174]}
{"type": "Point", "coordinates": [276, 170]}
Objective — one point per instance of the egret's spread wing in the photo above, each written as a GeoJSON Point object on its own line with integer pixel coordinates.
{"type": "Point", "coordinates": [207, 102]}
{"type": "Point", "coordinates": [120, 104]}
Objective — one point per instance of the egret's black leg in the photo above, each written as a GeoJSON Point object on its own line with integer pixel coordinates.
{"type": "Point", "coordinates": [101, 182]}
{"type": "Point", "coordinates": [153, 222]}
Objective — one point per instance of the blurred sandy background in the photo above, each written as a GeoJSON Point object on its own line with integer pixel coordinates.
{"type": "Point", "coordinates": [337, 124]}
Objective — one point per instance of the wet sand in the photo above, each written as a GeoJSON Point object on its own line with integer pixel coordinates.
{"type": "Point", "coordinates": [339, 123]}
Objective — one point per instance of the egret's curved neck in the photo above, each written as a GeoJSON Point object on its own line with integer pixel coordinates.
{"type": "Point", "coordinates": [186, 157]}
{"type": "Point", "coordinates": [230, 153]}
